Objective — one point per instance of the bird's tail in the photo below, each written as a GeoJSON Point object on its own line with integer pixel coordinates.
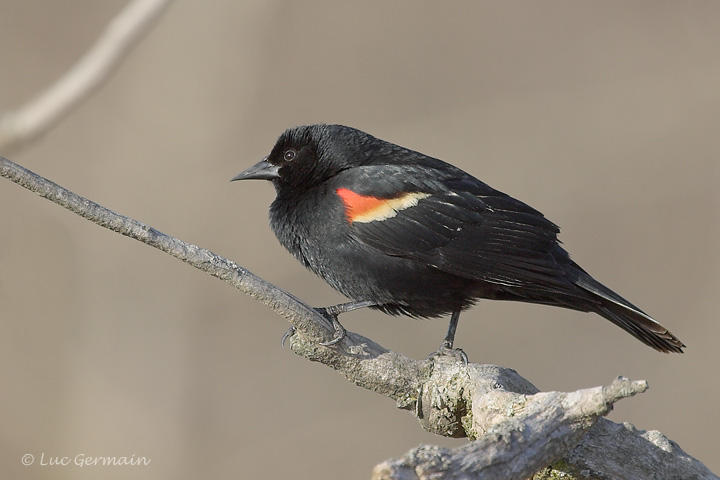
{"type": "Point", "coordinates": [627, 316]}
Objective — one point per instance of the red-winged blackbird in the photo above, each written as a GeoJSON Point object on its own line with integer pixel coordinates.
{"type": "Point", "coordinates": [405, 233]}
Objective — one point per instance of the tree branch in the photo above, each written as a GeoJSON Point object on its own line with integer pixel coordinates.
{"type": "Point", "coordinates": [522, 433]}
{"type": "Point", "coordinates": [40, 114]}
{"type": "Point", "coordinates": [516, 429]}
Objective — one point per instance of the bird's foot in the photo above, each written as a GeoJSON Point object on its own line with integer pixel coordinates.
{"type": "Point", "coordinates": [333, 311]}
{"type": "Point", "coordinates": [447, 350]}
{"type": "Point", "coordinates": [339, 334]}
{"type": "Point", "coordinates": [339, 330]}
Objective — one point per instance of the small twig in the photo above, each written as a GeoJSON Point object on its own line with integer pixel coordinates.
{"type": "Point", "coordinates": [40, 114]}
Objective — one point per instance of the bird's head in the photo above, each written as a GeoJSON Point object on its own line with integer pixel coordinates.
{"type": "Point", "coordinates": [307, 156]}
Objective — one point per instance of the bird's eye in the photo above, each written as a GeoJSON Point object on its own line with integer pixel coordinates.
{"type": "Point", "coordinates": [289, 155]}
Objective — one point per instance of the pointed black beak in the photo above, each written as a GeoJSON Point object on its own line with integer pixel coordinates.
{"type": "Point", "coordinates": [263, 170]}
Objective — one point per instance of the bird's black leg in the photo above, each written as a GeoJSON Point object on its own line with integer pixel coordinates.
{"type": "Point", "coordinates": [333, 313]}
{"type": "Point", "coordinates": [450, 337]}
{"type": "Point", "coordinates": [446, 348]}
{"type": "Point", "coordinates": [336, 310]}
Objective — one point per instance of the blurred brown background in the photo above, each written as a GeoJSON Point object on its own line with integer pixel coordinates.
{"type": "Point", "coordinates": [603, 115]}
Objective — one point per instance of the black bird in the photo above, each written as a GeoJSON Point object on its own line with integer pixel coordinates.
{"type": "Point", "coordinates": [405, 233]}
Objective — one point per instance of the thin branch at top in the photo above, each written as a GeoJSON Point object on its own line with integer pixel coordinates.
{"type": "Point", "coordinates": [40, 114]}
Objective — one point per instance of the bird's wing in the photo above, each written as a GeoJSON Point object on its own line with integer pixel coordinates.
{"type": "Point", "coordinates": [454, 222]}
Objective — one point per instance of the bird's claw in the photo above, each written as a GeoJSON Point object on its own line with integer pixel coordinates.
{"type": "Point", "coordinates": [339, 334]}
{"type": "Point", "coordinates": [447, 350]}
{"type": "Point", "coordinates": [288, 334]}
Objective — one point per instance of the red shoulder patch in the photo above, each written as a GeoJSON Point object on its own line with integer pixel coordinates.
{"type": "Point", "coordinates": [357, 205]}
{"type": "Point", "coordinates": [365, 208]}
